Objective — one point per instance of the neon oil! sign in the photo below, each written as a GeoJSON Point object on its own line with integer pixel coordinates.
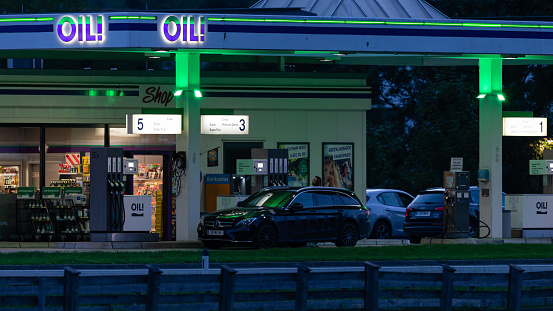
{"type": "Point", "coordinates": [82, 28]}
{"type": "Point", "coordinates": [185, 29]}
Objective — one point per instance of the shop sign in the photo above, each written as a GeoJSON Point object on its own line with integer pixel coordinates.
{"type": "Point", "coordinates": [158, 96]}
{"type": "Point", "coordinates": [154, 124]}
{"type": "Point", "coordinates": [26, 192]}
{"type": "Point", "coordinates": [217, 179]}
{"type": "Point", "coordinates": [184, 28]}
{"type": "Point", "coordinates": [225, 125]}
{"type": "Point", "coordinates": [536, 213]}
{"type": "Point", "coordinates": [81, 28]}
{"type": "Point", "coordinates": [51, 192]}
{"type": "Point", "coordinates": [138, 213]}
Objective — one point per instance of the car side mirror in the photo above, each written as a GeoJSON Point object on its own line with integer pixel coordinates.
{"type": "Point", "coordinates": [296, 205]}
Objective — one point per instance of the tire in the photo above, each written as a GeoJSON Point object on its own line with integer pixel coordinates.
{"type": "Point", "coordinates": [348, 235]}
{"type": "Point", "coordinates": [212, 244]}
{"type": "Point", "coordinates": [265, 236]}
{"type": "Point", "coordinates": [382, 230]}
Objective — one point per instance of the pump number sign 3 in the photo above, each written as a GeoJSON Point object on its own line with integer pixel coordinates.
{"type": "Point", "coordinates": [225, 125]}
{"type": "Point", "coordinates": [154, 124]}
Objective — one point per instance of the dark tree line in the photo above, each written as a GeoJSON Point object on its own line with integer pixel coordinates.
{"type": "Point", "coordinates": [423, 116]}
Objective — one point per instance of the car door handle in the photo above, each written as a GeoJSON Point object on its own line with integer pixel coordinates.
{"type": "Point", "coordinates": [388, 209]}
{"type": "Point", "coordinates": [312, 210]}
{"type": "Point", "coordinates": [341, 210]}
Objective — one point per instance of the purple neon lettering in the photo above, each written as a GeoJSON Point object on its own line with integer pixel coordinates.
{"type": "Point", "coordinates": [99, 28]}
{"type": "Point", "coordinates": [89, 36]}
{"type": "Point", "coordinates": [71, 35]}
{"type": "Point", "coordinates": [193, 36]}
{"type": "Point", "coordinates": [168, 21]}
{"type": "Point", "coordinates": [184, 29]}
{"type": "Point", "coordinates": [80, 28]}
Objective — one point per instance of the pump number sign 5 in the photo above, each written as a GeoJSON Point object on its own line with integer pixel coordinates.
{"type": "Point", "coordinates": [154, 124]}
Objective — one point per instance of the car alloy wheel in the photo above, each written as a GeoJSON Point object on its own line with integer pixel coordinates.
{"type": "Point", "coordinates": [382, 230]}
{"type": "Point", "coordinates": [348, 235]}
{"type": "Point", "coordinates": [266, 236]}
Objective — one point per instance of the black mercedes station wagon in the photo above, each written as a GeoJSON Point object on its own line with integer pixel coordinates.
{"type": "Point", "coordinates": [289, 215]}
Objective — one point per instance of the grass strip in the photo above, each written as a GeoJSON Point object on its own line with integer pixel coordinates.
{"type": "Point", "coordinates": [397, 253]}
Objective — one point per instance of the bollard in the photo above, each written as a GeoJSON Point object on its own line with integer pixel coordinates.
{"type": "Point", "coordinates": [205, 261]}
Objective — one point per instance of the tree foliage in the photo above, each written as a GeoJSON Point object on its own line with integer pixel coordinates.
{"type": "Point", "coordinates": [423, 116]}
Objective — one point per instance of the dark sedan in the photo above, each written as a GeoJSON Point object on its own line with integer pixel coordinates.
{"type": "Point", "coordinates": [424, 217]}
{"type": "Point", "coordinates": [291, 215]}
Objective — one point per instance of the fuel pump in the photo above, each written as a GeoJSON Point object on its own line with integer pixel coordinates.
{"type": "Point", "coordinates": [456, 204]}
{"type": "Point", "coordinates": [106, 190]}
{"type": "Point", "coordinates": [110, 219]}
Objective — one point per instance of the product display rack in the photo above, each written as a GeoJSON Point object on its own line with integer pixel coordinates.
{"type": "Point", "coordinates": [83, 218]}
{"type": "Point", "coordinates": [9, 179]}
{"type": "Point", "coordinates": [39, 215]}
{"type": "Point", "coordinates": [66, 221]}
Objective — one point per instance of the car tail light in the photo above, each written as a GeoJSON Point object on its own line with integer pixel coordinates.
{"type": "Point", "coordinates": [439, 209]}
{"type": "Point", "coordinates": [407, 211]}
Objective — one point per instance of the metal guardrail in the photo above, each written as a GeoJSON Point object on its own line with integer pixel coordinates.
{"type": "Point", "coordinates": [369, 287]}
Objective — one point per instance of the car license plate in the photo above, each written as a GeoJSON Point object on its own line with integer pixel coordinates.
{"type": "Point", "coordinates": [422, 214]}
{"type": "Point", "coordinates": [215, 232]}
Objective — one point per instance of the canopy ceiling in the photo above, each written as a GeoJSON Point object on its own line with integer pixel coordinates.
{"type": "Point", "coordinates": [415, 9]}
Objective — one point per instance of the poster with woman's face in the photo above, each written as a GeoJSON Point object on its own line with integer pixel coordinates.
{"type": "Point", "coordinates": [338, 165]}
{"type": "Point", "coordinates": [298, 163]}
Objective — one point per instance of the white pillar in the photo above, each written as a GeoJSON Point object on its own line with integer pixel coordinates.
{"type": "Point", "coordinates": [491, 134]}
{"type": "Point", "coordinates": [188, 202]}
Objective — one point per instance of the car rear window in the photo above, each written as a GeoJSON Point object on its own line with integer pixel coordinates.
{"type": "Point", "coordinates": [388, 198]}
{"type": "Point", "coordinates": [429, 198]}
{"type": "Point", "coordinates": [348, 200]}
{"type": "Point", "coordinates": [324, 199]}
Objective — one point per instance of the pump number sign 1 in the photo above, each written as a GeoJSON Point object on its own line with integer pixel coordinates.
{"type": "Point", "coordinates": [154, 124]}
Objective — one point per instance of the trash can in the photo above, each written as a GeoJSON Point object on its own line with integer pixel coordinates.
{"type": "Point", "coordinates": [506, 224]}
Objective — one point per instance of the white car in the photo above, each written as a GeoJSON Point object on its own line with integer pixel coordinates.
{"type": "Point", "coordinates": [387, 212]}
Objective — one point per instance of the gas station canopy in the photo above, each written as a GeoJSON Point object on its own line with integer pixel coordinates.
{"type": "Point", "coordinates": [420, 35]}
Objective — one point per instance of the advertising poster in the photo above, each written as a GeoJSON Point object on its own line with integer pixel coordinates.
{"type": "Point", "coordinates": [213, 157]}
{"type": "Point", "coordinates": [298, 163]}
{"type": "Point", "coordinates": [338, 165]}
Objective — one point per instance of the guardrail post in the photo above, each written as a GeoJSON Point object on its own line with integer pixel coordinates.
{"type": "Point", "coordinates": [372, 274]}
{"type": "Point", "coordinates": [152, 296]}
{"type": "Point", "coordinates": [446, 298]}
{"type": "Point", "coordinates": [227, 288]}
{"type": "Point", "coordinates": [515, 288]}
{"type": "Point", "coordinates": [71, 289]}
{"type": "Point", "coordinates": [302, 287]}
{"type": "Point", "coordinates": [41, 297]}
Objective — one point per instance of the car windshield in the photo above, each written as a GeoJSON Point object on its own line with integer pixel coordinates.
{"type": "Point", "coordinates": [429, 198]}
{"type": "Point", "coordinates": [272, 198]}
